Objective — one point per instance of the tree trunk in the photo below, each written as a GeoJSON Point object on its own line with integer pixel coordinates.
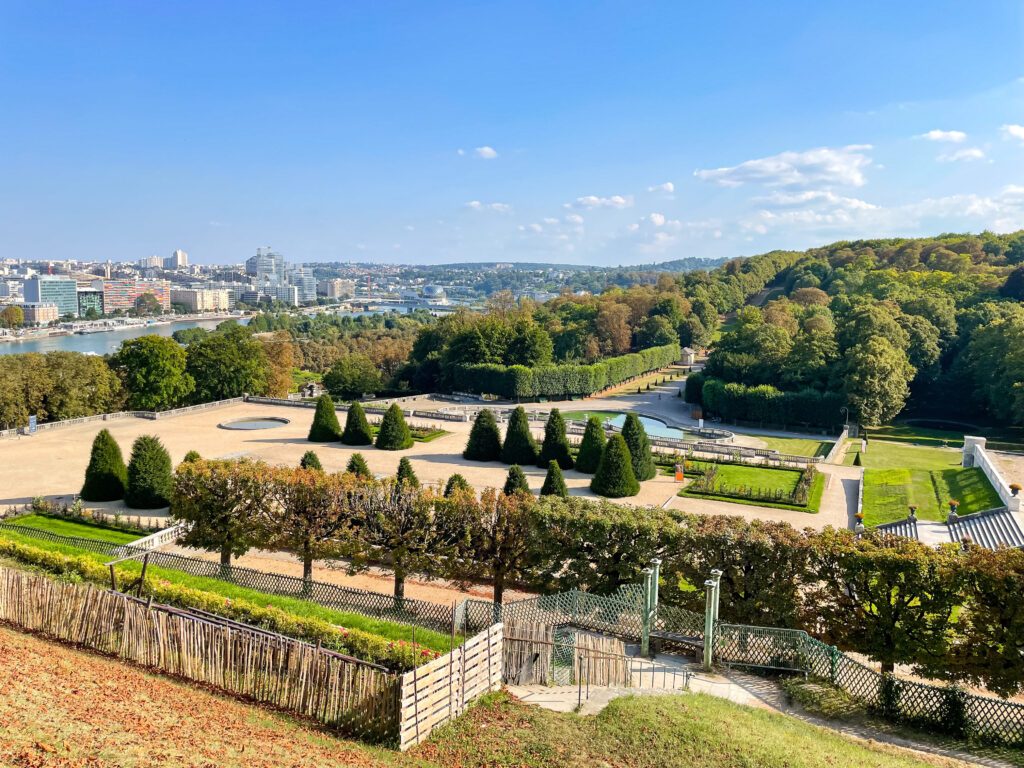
{"type": "Point", "coordinates": [399, 586]}
{"type": "Point", "coordinates": [499, 587]}
{"type": "Point", "coordinates": [888, 667]}
{"type": "Point", "coordinates": [225, 555]}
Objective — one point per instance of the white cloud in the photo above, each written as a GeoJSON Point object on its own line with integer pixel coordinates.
{"type": "Point", "coordinates": [574, 218]}
{"type": "Point", "coordinates": [818, 196]}
{"type": "Point", "coordinates": [485, 152]}
{"type": "Point", "coordinates": [460, 152]}
{"type": "Point", "coordinates": [1011, 131]}
{"type": "Point", "coordinates": [615, 201]}
{"type": "Point", "coordinates": [967, 153]}
{"type": "Point", "coordinates": [822, 166]}
{"type": "Point", "coordinates": [476, 205]}
{"type": "Point", "coordinates": [668, 187]}
{"type": "Point", "coordinates": [550, 220]}
{"type": "Point", "coordinates": [936, 135]}
{"type": "Point", "coordinates": [657, 219]}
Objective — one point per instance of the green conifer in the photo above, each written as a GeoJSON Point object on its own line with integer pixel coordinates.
{"type": "Point", "coordinates": [635, 435]}
{"type": "Point", "coordinates": [357, 466]}
{"type": "Point", "coordinates": [589, 456]}
{"type": "Point", "coordinates": [519, 447]}
{"type": "Point", "coordinates": [310, 460]}
{"type": "Point", "coordinates": [615, 478]}
{"type": "Point", "coordinates": [484, 442]}
{"type": "Point", "coordinates": [357, 428]}
{"type": "Point", "coordinates": [556, 444]}
{"type": "Point", "coordinates": [325, 427]}
{"type": "Point", "coordinates": [516, 481]}
{"type": "Point", "coordinates": [405, 475]}
{"type": "Point", "coordinates": [554, 483]}
{"type": "Point", "coordinates": [150, 478]}
{"type": "Point", "coordinates": [456, 483]}
{"type": "Point", "coordinates": [106, 476]}
{"type": "Point", "coordinates": [394, 434]}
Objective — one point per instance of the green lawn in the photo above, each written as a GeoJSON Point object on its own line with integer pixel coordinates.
{"type": "Point", "coordinates": [921, 432]}
{"type": "Point", "coordinates": [82, 530]}
{"type": "Point", "coordinates": [765, 478]}
{"type": "Point", "coordinates": [897, 475]}
{"type": "Point", "coordinates": [797, 446]}
{"type": "Point", "coordinates": [390, 630]}
{"type": "Point", "coordinates": [585, 415]}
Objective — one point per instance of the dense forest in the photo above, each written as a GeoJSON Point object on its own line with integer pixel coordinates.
{"type": "Point", "coordinates": [935, 325]}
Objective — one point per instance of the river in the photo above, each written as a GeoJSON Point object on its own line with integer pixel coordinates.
{"type": "Point", "coordinates": [104, 342]}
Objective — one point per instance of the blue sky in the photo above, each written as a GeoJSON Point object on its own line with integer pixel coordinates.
{"type": "Point", "coordinates": [584, 132]}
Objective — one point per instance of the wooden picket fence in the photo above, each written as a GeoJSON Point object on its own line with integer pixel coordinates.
{"type": "Point", "coordinates": [356, 697]}
{"type": "Point", "coordinates": [542, 654]}
{"type": "Point", "coordinates": [440, 691]}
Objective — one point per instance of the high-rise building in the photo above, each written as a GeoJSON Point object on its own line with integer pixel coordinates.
{"type": "Point", "coordinates": [267, 267]}
{"type": "Point", "coordinates": [177, 260]}
{"type": "Point", "coordinates": [53, 289]}
{"type": "Point", "coordinates": [150, 262]}
{"type": "Point", "coordinates": [123, 293]}
{"type": "Point", "coordinates": [303, 279]}
{"type": "Point", "coordinates": [89, 298]}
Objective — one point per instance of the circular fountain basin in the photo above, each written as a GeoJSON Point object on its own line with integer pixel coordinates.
{"type": "Point", "coordinates": [254, 422]}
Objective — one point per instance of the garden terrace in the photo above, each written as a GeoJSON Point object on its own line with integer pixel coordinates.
{"type": "Point", "coordinates": [759, 486]}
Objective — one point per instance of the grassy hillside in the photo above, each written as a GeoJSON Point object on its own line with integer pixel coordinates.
{"type": "Point", "coordinates": [63, 707]}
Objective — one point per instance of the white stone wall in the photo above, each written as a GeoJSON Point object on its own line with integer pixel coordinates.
{"type": "Point", "coordinates": [975, 455]}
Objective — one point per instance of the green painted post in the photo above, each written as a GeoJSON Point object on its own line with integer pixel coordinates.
{"type": "Point", "coordinates": [645, 615]}
{"type": "Point", "coordinates": [716, 576]}
{"type": "Point", "coordinates": [833, 663]}
{"type": "Point", "coordinates": [656, 567]}
{"type": "Point", "coordinates": [709, 624]}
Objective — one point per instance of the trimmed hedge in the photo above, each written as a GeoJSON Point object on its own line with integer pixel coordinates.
{"type": "Point", "coordinates": [106, 476]}
{"type": "Point", "coordinates": [556, 445]}
{"type": "Point", "coordinates": [554, 482]}
{"type": "Point", "coordinates": [484, 442]}
{"type": "Point", "coordinates": [517, 382]}
{"type": "Point", "coordinates": [615, 478]}
{"type": "Point", "coordinates": [519, 447]}
{"type": "Point", "coordinates": [516, 481]}
{"type": "Point", "coordinates": [394, 434]}
{"type": "Point", "coordinates": [589, 457]}
{"type": "Point", "coordinates": [764, 404]}
{"type": "Point", "coordinates": [635, 435]}
{"type": "Point", "coordinates": [325, 427]}
{"type": "Point", "coordinates": [357, 466]}
{"type": "Point", "coordinates": [150, 475]}
{"type": "Point", "coordinates": [310, 460]}
{"type": "Point", "coordinates": [357, 428]}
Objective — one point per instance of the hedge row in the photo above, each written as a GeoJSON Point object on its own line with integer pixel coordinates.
{"type": "Point", "coordinates": [765, 404]}
{"type": "Point", "coordinates": [364, 645]}
{"type": "Point", "coordinates": [517, 382]}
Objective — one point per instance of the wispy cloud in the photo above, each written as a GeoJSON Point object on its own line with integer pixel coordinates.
{"type": "Point", "coordinates": [476, 205]}
{"type": "Point", "coordinates": [1011, 131]}
{"type": "Point", "coordinates": [961, 155]}
{"type": "Point", "coordinates": [594, 201]}
{"type": "Point", "coordinates": [668, 187]}
{"type": "Point", "coordinates": [485, 152]}
{"type": "Point", "coordinates": [823, 166]}
{"type": "Point", "coordinates": [955, 137]}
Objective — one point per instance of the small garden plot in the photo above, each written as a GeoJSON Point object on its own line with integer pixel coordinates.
{"type": "Point", "coordinates": [797, 446]}
{"type": "Point", "coordinates": [81, 529]}
{"type": "Point", "coordinates": [756, 485]}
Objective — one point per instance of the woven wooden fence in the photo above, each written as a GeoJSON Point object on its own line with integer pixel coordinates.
{"type": "Point", "coordinates": [541, 654]}
{"type": "Point", "coordinates": [355, 697]}
{"type": "Point", "coordinates": [440, 691]}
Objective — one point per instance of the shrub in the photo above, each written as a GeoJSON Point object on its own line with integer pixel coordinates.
{"type": "Point", "coordinates": [150, 475]}
{"type": "Point", "coordinates": [635, 435]}
{"type": "Point", "coordinates": [520, 447]}
{"type": "Point", "coordinates": [484, 442]}
{"type": "Point", "coordinates": [615, 478]}
{"type": "Point", "coordinates": [310, 460]}
{"type": "Point", "coordinates": [556, 444]}
{"type": "Point", "coordinates": [106, 476]}
{"type": "Point", "coordinates": [554, 483]}
{"type": "Point", "coordinates": [455, 484]}
{"type": "Point", "coordinates": [516, 481]}
{"type": "Point", "coordinates": [191, 456]}
{"type": "Point", "coordinates": [357, 466]}
{"type": "Point", "coordinates": [405, 475]}
{"type": "Point", "coordinates": [325, 427]}
{"type": "Point", "coordinates": [357, 428]}
{"type": "Point", "coordinates": [589, 456]}
{"type": "Point", "coordinates": [394, 433]}
{"type": "Point", "coordinates": [695, 389]}
{"type": "Point", "coordinates": [856, 460]}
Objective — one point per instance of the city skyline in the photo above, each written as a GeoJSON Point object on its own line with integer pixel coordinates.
{"type": "Point", "coordinates": [581, 133]}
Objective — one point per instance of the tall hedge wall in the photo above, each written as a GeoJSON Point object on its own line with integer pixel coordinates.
{"type": "Point", "coordinates": [768, 405]}
{"type": "Point", "coordinates": [518, 382]}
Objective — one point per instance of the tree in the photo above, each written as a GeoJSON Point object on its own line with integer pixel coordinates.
{"type": "Point", "coordinates": [226, 363]}
{"type": "Point", "coordinates": [456, 484]}
{"type": "Point", "coordinates": [515, 481]}
{"type": "Point", "coordinates": [556, 444]}
{"type": "Point", "coordinates": [357, 466]}
{"type": "Point", "coordinates": [1013, 288]}
{"type": "Point", "coordinates": [614, 477]}
{"type": "Point", "coordinates": [888, 597]}
{"type": "Point", "coordinates": [280, 353]}
{"type": "Point", "coordinates": [484, 442]}
{"type": "Point", "coordinates": [12, 317]}
{"type": "Point", "coordinates": [394, 434]}
{"type": "Point", "coordinates": [325, 427]}
{"type": "Point", "coordinates": [310, 460]}
{"type": "Point", "coordinates": [153, 371]}
{"type": "Point", "coordinates": [148, 304]}
{"type": "Point", "coordinates": [877, 380]}
{"type": "Point", "coordinates": [694, 388]}
{"type": "Point", "coordinates": [150, 475]}
{"type": "Point", "coordinates": [357, 428]}
{"type": "Point", "coordinates": [310, 516]}
{"type": "Point", "coordinates": [106, 476]}
{"type": "Point", "coordinates": [191, 456]}
{"type": "Point", "coordinates": [591, 447]}
{"type": "Point", "coordinates": [554, 483]}
{"type": "Point", "coordinates": [353, 376]}
{"type": "Point", "coordinates": [406, 476]}
{"type": "Point", "coordinates": [635, 435]}
{"type": "Point", "coordinates": [503, 536]}
{"type": "Point", "coordinates": [519, 446]}
{"type": "Point", "coordinates": [75, 385]}
{"type": "Point", "coordinates": [223, 501]}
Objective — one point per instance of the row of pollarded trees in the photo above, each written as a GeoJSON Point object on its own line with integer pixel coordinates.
{"type": "Point", "coordinates": [618, 464]}
{"type": "Point", "coordinates": [146, 481]}
{"type": "Point", "coordinates": [392, 435]}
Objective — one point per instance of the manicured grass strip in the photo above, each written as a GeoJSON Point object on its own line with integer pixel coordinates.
{"type": "Point", "coordinates": [887, 494]}
{"type": "Point", "coordinates": [765, 478]}
{"type": "Point", "coordinates": [813, 498]}
{"type": "Point", "coordinates": [969, 486]}
{"type": "Point", "coordinates": [81, 529]}
{"type": "Point", "coordinates": [388, 630]}
{"type": "Point", "coordinates": [603, 416]}
{"type": "Point", "coordinates": [797, 446]}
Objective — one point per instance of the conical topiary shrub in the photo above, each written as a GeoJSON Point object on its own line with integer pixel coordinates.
{"type": "Point", "coordinates": [405, 475]}
{"type": "Point", "coordinates": [615, 478]}
{"type": "Point", "coordinates": [106, 476]}
{"type": "Point", "coordinates": [357, 466]}
{"type": "Point", "coordinates": [357, 428]}
{"type": "Point", "coordinates": [519, 447]}
{"type": "Point", "coordinates": [455, 484]}
{"type": "Point", "coordinates": [310, 460]}
{"type": "Point", "coordinates": [554, 483]}
{"type": "Point", "coordinates": [484, 442]}
{"type": "Point", "coordinates": [149, 475]}
{"type": "Point", "coordinates": [556, 444]}
{"type": "Point", "coordinates": [635, 435]}
{"type": "Point", "coordinates": [325, 427]}
{"type": "Point", "coordinates": [191, 456]}
{"type": "Point", "coordinates": [516, 481]}
{"type": "Point", "coordinates": [393, 434]}
{"type": "Point", "coordinates": [856, 460]}
{"type": "Point", "coordinates": [591, 447]}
